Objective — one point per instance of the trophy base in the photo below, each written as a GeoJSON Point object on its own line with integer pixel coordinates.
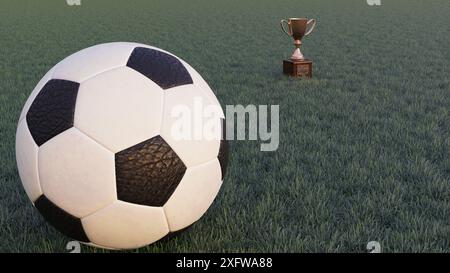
{"type": "Point", "coordinates": [298, 68]}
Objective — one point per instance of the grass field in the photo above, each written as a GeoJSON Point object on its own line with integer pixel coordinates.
{"type": "Point", "coordinates": [364, 146]}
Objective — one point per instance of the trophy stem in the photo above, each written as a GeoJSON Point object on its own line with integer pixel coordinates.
{"type": "Point", "coordinates": [297, 55]}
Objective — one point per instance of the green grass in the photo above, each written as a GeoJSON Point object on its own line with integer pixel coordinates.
{"type": "Point", "coordinates": [364, 149]}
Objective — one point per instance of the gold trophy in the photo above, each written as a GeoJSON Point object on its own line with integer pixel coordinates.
{"type": "Point", "coordinates": [298, 28]}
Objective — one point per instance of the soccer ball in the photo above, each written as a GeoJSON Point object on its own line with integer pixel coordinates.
{"type": "Point", "coordinates": [96, 151]}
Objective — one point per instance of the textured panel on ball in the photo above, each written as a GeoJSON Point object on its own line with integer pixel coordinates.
{"type": "Point", "coordinates": [27, 161]}
{"type": "Point", "coordinates": [148, 173]}
{"type": "Point", "coordinates": [77, 173]}
{"type": "Point", "coordinates": [122, 225]}
{"type": "Point", "coordinates": [194, 195]}
{"type": "Point", "coordinates": [61, 220]}
{"type": "Point", "coordinates": [191, 124]}
{"type": "Point", "coordinates": [223, 150]}
{"type": "Point", "coordinates": [164, 69]}
{"type": "Point", "coordinates": [35, 92]}
{"type": "Point", "coordinates": [93, 60]}
{"type": "Point", "coordinates": [223, 157]}
{"type": "Point", "coordinates": [52, 111]}
{"type": "Point", "coordinates": [119, 108]}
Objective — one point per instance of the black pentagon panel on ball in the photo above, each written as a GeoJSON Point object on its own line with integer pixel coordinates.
{"type": "Point", "coordinates": [148, 173]}
{"type": "Point", "coordinates": [223, 157]}
{"type": "Point", "coordinates": [165, 70]}
{"type": "Point", "coordinates": [223, 150]}
{"type": "Point", "coordinates": [52, 111]}
{"type": "Point", "coordinates": [61, 220]}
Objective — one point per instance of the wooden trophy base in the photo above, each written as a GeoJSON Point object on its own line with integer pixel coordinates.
{"type": "Point", "coordinates": [298, 68]}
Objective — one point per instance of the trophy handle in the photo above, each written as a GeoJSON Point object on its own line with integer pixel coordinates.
{"type": "Point", "coordinates": [313, 21]}
{"type": "Point", "coordinates": [282, 23]}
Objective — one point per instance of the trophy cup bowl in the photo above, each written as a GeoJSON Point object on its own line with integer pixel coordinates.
{"type": "Point", "coordinates": [298, 28]}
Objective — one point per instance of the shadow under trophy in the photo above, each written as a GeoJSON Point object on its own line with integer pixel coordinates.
{"type": "Point", "coordinates": [298, 65]}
